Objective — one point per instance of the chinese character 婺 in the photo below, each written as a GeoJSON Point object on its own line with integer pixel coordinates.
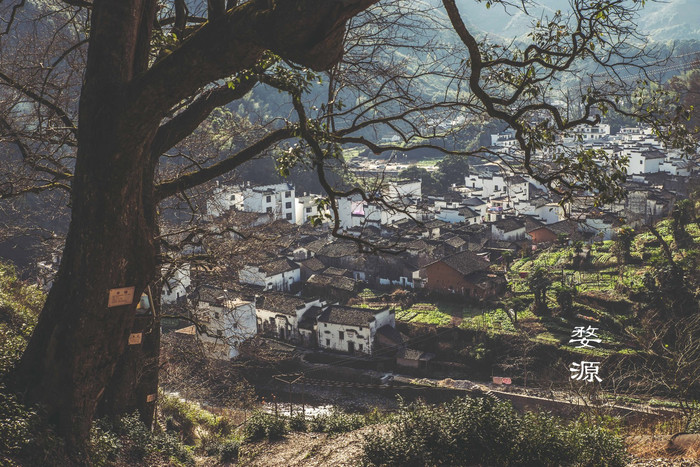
{"type": "Point", "coordinates": [584, 337]}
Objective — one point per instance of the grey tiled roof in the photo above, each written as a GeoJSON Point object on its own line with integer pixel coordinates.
{"type": "Point", "coordinates": [509, 224]}
{"type": "Point", "coordinates": [278, 266]}
{"type": "Point", "coordinates": [465, 262]}
{"type": "Point", "coordinates": [281, 303]}
{"type": "Point", "coordinates": [332, 282]}
{"type": "Point", "coordinates": [313, 264]}
{"type": "Point", "coordinates": [348, 315]}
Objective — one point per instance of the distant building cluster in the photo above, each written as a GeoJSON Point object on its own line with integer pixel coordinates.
{"type": "Point", "coordinates": [455, 244]}
{"type": "Point", "coordinates": [298, 285]}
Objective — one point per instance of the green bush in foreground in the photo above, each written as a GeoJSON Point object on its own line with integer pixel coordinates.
{"type": "Point", "coordinates": [336, 421]}
{"type": "Point", "coordinates": [229, 451]}
{"type": "Point", "coordinates": [693, 425]}
{"type": "Point", "coordinates": [132, 442]}
{"type": "Point", "coordinates": [482, 431]}
{"type": "Point", "coordinates": [264, 425]}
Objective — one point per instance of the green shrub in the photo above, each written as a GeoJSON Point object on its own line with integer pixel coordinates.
{"type": "Point", "coordinates": [336, 421]}
{"type": "Point", "coordinates": [166, 444]}
{"type": "Point", "coordinates": [187, 415]}
{"type": "Point", "coordinates": [229, 451]}
{"type": "Point", "coordinates": [16, 423]}
{"type": "Point", "coordinates": [224, 426]}
{"type": "Point", "coordinates": [211, 445]}
{"type": "Point", "coordinates": [140, 442]}
{"type": "Point", "coordinates": [136, 433]}
{"type": "Point", "coordinates": [540, 441]}
{"type": "Point", "coordinates": [597, 447]}
{"type": "Point", "coordinates": [487, 432]}
{"type": "Point", "coordinates": [298, 423]}
{"type": "Point", "coordinates": [264, 425]}
{"type": "Point", "coordinates": [104, 445]}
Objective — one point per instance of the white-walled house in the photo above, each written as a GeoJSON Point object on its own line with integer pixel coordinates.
{"type": "Point", "coordinates": [491, 185]}
{"type": "Point", "coordinates": [508, 229]}
{"type": "Point", "coordinates": [458, 214]}
{"type": "Point", "coordinates": [587, 133]}
{"type": "Point", "coordinates": [281, 316]}
{"type": "Point", "coordinates": [549, 213]}
{"type": "Point", "coordinates": [603, 226]}
{"type": "Point", "coordinates": [505, 139]}
{"type": "Point", "coordinates": [495, 185]}
{"type": "Point", "coordinates": [677, 166]}
{"type": "Point", "coordinates": [517, 188]}
{"type": "Point", "coordinates": [175, 287]}
{"type": "Point", "coordinates": [353, 211]}
{"type": "Point", "coordinates": [280, 275]}
{"type": "Point", "coordinates": [224, 322]}
{"type": "Point", "coordinates": [477, 205]}
{"type": "Point", "coordinates": [277, 199]}
{"type": "Point", "coordinates": [644, 160]}
{"type": "Point", "coordinates": [224, 198]}
{"type": "Point", "coordinates": [349, 329]}
{"type": "Point", "coordinates": [306, 206]}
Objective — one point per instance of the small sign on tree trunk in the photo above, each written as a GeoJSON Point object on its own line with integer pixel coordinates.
{"type": "Point", "coordinates": [135, 338]}
{"type": "Point", "coordinates": [121, 296]}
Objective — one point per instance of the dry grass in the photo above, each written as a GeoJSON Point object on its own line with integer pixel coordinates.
{"type": "Point", "coordinates": [656, 447]}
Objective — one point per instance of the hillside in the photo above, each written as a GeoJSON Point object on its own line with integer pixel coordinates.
{"type": "Point", "coordinates": [662, 21]}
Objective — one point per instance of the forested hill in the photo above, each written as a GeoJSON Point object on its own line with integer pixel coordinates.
{"type": "Point", "coordinates": [662, 21]}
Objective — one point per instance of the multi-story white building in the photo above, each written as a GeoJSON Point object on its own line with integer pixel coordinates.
{"type": "Point", "coordinates": [281, 315]}
{"type": "Point", "coordinates": [494, 185]}
{"type": "Point", "coordinates": [349, 329]}
{"type": "Point", "coordinates": [587, 133]}
{"type": "Point", "coordinates": [505, 139]}
{"type": "Point", "coordinates": [278, 200]}
{"type": "Point", "coordinates": [635, 135]}
{"type": "Point", "coordinates": [224, 322]}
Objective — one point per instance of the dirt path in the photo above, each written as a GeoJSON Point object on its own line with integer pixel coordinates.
{"type": "Point", "coordinates": [307, 449]}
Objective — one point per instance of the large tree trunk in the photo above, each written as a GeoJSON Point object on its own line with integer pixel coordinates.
{"type": "Point", "coordinates": [110, 244]}
{"type": "Point", "coordinates": [79, 341]}
{"type": "Point", "coordinates": [134, 383]}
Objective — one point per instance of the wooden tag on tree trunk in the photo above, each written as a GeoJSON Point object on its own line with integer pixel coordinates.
{"type": "Point", "coordinates": [150, 398]}
{"type": "Point", "coordinates": [135, 338]}
{"type": "Point", "coordinates": [121, 296]}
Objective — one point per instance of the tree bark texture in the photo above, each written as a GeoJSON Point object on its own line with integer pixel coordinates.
{"type": "Point", "coordinates": [79, 341]}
